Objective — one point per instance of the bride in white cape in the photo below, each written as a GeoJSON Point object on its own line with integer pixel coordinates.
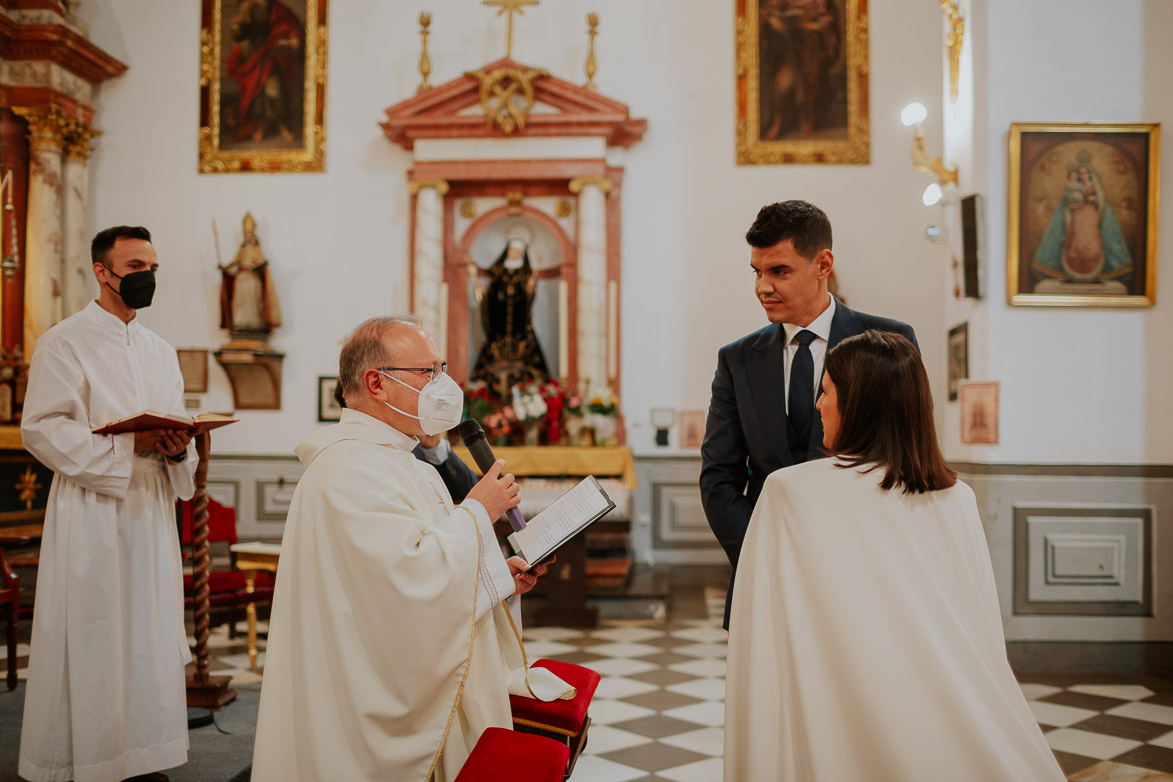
{"type": "Point", "coordinates": [866, 639]}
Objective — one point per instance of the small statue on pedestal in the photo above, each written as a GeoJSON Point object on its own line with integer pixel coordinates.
{"type": "Point", "coordinates": [249, 309]}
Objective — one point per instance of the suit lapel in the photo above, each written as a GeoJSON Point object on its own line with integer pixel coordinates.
{"type": "Point", "coordinates": [764, 369]}
{"type": "Point", "coordinates": [844, 324]}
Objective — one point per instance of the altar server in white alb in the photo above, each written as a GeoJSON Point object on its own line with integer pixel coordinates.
{"type": "Point", "coordinates": [105, 698]}
{"type": "Point", "coordinates": [866, 641]}
{"type": "Point", "coordinates": [392, 642]}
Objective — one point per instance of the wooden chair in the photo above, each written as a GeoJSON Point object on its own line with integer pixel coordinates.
{"type": "Point", "coordinates": [506, 756]}
{"type": "Point", "coordinates": [10, 602]}
{"type": "Point", "coordinates": [227, 596]}
{"type": "Point", "coordinates": [565, 721]}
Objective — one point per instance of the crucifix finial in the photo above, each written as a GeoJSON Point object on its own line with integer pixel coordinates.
{"type": "Point", "coordinates": [509, 6]}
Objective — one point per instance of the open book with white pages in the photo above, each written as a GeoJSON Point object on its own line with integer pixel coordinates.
{"type": "Point", "coordinates": [564, 518]}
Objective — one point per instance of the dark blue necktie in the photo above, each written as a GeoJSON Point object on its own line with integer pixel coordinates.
{"type": "Point", "coordinates": [802, 390]}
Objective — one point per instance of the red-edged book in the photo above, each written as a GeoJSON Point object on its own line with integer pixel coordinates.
{"type": "Point", "coordinates": [149, 419]}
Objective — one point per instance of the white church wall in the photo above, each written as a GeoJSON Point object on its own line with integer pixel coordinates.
{"type": "Point", "coordinates": [1078, 385]}
{"type": "Point", "coordinates": [338, 241]}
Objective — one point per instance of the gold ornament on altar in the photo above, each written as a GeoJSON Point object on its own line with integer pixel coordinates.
{"type": "Point", "coordinates": [425, 61]}
{"type": "Point", "coordinates": [953, 43]}
{"type": "Point", "coordinates": [593, 21]}
{"type": "Point", "coordinates": [28, 487]}
{"type": "Point", "coordinates": [511, 7]}
{"type": "Point", "coordinates": [507, 95]}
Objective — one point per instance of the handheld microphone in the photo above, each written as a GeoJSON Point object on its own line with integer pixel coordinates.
{"type": "Point", "coordinates": [474, 440]}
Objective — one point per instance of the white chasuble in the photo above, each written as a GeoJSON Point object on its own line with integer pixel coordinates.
{"type": "Point", "coordinates": [105, 697]}
{"type": "Point", "coordinates": [866, 642]}
{"type": "Point", "coordinates": [372, 620]}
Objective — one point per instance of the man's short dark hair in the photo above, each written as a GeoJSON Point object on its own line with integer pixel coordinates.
{"type": "Point", "coordinates": [804, 224]}
{"type": "Point", "coordinates": [104, 242]}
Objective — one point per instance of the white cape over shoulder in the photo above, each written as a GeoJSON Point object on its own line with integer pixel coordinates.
{"type": "Point", "coordinates": [866, 642]}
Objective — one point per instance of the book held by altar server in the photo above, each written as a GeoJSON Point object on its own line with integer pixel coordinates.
{"type": "Point", "coordinates": [149, 419]}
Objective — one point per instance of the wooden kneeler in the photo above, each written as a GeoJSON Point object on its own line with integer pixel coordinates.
{"type": "Point", "coordinates": [506, 756]}
{"type": "Point", "coordinates": [564, 720]}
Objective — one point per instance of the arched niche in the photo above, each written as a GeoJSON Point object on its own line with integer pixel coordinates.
{"type": "Point", "coordinates": [552, 256]}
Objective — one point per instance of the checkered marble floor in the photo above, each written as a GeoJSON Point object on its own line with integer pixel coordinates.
{"type": "Point", "coordinates": [659, 710]}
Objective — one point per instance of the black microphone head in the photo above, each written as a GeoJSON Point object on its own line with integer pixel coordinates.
{"type": "Point", "coordinates": [470, 431]}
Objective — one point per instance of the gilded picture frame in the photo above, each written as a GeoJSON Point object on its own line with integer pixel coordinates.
{"type": "Point", "coordinates": [1083, 214]}
{"type": "Point", "coordinates": [802, 82]}
{"type": "Point", "coordinates": [263, 86]}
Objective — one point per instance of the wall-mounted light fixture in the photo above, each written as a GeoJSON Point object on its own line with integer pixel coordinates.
{"type": "Point", "coordinates": [11, 259]}
{"type": "Point", "coordinates": [913, 116]}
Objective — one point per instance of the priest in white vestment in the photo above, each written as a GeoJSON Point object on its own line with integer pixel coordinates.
{"type": "Point", "coordinates": [105, 698]}
{"type": "Point", "coordinates": [866, 639]}
{"type": "Point", "coordinates": [392, 645]}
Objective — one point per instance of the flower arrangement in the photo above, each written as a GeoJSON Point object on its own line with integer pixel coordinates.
{"type": "Point", "coordinates": [478, 402]}
{"type": "Point", "coordinates": [604, 402]}
{"type": "Point", "coordinates": [530, 409]}
{"type": "Point", "coordinates": [555, 397]}
{"type": "Point", "coordinates": [498, 424]}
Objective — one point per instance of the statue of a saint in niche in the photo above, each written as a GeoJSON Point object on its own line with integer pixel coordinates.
{"type": "Point", "coordinates": [248, 300]}
{"type": "Point", "coordinates": [511, 353]}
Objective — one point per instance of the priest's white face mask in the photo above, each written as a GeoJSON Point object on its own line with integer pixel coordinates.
{"type": "Point", "coordinates": [441, 403]}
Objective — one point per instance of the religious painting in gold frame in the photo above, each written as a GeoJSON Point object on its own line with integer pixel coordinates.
{"type": "Point", "coordinates": [802, 82]}
{"type": "Point", "coordinates": [262, 85]}
{"type": "Point", "coordinates": [1083, 203]}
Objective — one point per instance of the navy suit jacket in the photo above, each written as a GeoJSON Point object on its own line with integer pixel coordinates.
{"type": "Point", "coordinates": [454, 472]}
{"type": "Point", "coordinates": [745, 435]}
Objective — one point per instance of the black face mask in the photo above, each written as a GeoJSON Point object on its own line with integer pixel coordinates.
{"type": "Point", "coordinates": [137, 289]}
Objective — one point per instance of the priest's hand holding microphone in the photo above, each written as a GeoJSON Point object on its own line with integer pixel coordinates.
{"type": "Point", "coordinates": [499, 493]}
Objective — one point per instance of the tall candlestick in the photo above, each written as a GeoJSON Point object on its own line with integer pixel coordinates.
{"type": "Point", "coordinates": [563, 329]}
{"type": "Point", "coordinates": [442, 334]}
{"type": "Point", "coordinates": [612, 330]}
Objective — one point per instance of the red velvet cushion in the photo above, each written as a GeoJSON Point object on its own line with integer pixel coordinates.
{"type": "Point", "coordinates": [563, 715]}
{"type": "Point", "coordinates": [506, 756]}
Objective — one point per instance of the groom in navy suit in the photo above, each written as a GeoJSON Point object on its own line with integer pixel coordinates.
{"type": "Point", "coordinates": [761, 416]}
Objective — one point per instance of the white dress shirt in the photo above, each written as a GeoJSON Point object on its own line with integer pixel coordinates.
{"type": "Point", "coordinates": [821, 326]}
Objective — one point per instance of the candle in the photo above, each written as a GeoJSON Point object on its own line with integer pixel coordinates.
{"type": "Point", "coordinates": [612, 330]}
{"type": "Point", "coordinates": [442, 326]}
{"type": "Point", "coordinates": [563, 329]}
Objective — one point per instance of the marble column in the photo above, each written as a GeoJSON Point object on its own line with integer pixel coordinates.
{"type": "Point", "coordinates": [428, 256]}
{"type": "Point", "coordinates": [76, 271]}
{"type": "Point", "coordinates": [43, 238]}
{"type": "Point", "coordinates": [592, 278]}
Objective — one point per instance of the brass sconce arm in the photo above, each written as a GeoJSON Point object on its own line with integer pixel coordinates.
{"type": "Point", "coordinates": [921, 160]}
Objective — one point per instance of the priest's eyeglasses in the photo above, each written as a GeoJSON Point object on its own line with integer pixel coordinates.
{"type": "Point", "coordinates": [433, 372]}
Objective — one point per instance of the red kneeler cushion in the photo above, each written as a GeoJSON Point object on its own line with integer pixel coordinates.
{"type": "Point", "coordinates": [561, 716]}
{"type": "Point", "coordinates": [506, 756]}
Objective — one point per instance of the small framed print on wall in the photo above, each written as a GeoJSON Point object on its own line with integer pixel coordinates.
{"type": "Point", "coordinates": [979, 413]}
{"type": "Point", "coordinates": [328, 408]}
{"type": "Point", "coordinates": [958, 357]}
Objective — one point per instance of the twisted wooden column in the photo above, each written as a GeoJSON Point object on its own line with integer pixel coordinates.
{"type": "Point", "coordinates": [201, 560]}
{"type": "Point", "coordinates": [203, 689]}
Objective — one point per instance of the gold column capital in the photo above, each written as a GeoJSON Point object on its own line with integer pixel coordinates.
{"type": "Point", "coordinates": [46, 126]}
{"type": "Point", "coordinates": [76, 137]}
{"type": "Point", "coordinates": [602, 182]}
{"type": "Point", "coordinates": [440, 185]}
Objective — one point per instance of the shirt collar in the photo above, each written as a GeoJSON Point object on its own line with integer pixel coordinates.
{"type": "Point", "coordinates": [381, 432]}
{"type": "Point", "coordinates": [109, 321]}
{"type": "Point", "coordinates": [821, 326]}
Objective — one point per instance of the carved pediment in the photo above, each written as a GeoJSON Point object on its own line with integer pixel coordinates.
{"type": "Point", "coordinates": [489, 104]}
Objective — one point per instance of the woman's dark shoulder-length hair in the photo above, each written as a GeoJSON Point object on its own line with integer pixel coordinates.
{"type": "Point", "coordinates": [886, 412]}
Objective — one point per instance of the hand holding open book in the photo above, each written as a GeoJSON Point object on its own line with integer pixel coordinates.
{"type": "Point", "coordinates": [568, 515]}
{"type": "Point", "coordinates": [149, 419]}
